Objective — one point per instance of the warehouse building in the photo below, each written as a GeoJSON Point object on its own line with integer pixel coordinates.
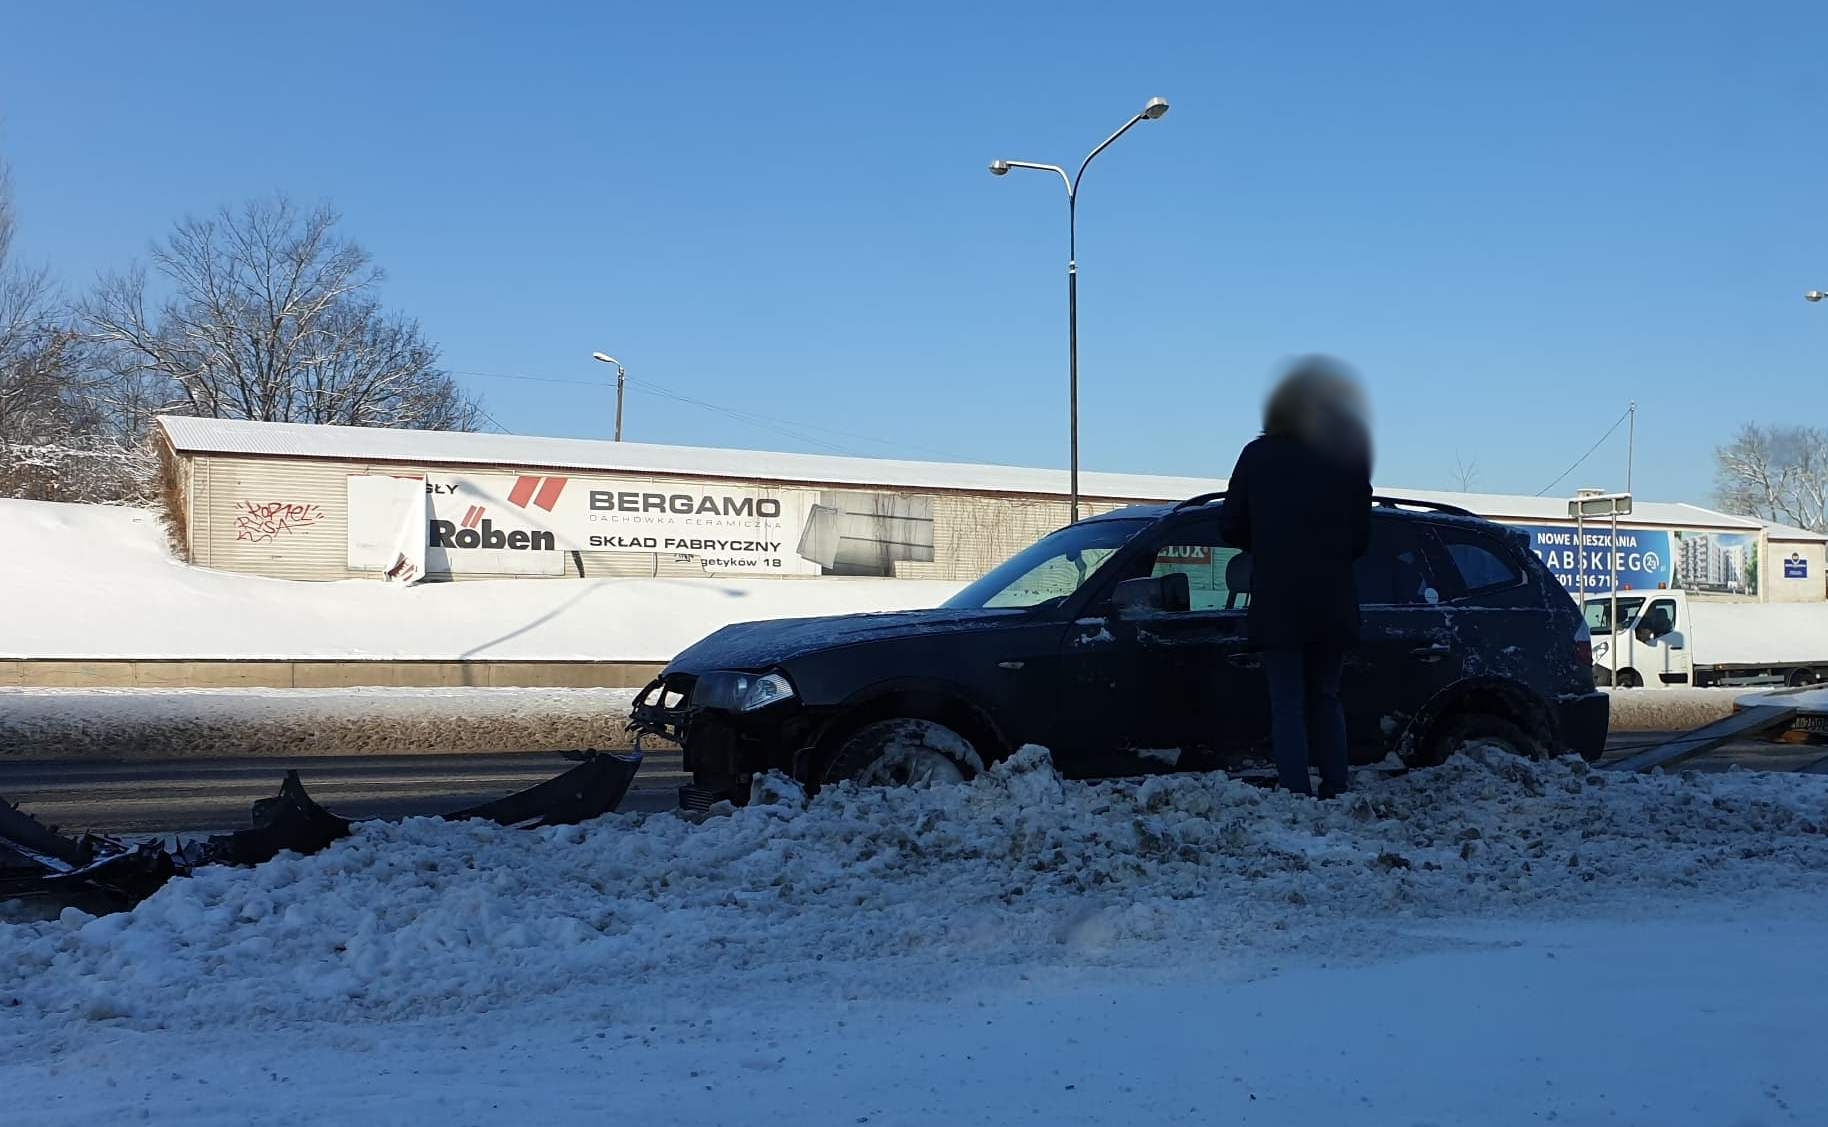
{"type": "Point", "coordinates": [298, 501]}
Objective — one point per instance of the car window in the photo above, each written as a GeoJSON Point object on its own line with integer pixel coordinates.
{"type": "Point", "coordinates": [1394, 571]}
{"type": "Point", "coordinates": [1209, 571]}
{"type": "Point", "coordinates": [1599, 614]}
{"type": "Point", "coordinates": [1051, 568]}
{"type": "Point", "coordinates": [1659, 620]}
{"type": "Point", "coordinates": [1481, 563]}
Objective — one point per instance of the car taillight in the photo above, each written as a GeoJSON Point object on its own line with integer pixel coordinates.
{"type": "Point", "coordinates": [1583, 652]}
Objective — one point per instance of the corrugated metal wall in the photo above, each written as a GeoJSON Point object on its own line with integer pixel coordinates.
{"type": "Point", "coordinates": [288, 518]}
{"type": "Point", "coordinates": [973, 534]}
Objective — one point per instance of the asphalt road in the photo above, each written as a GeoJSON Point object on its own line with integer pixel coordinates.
{"type": "Point", "coordinates": [211, 796]}
{"type": "Point", "coordinates": [214, 795]}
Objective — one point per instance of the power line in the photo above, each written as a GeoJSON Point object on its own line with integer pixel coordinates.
{"type": "Point", "coordinates": [1610, 431]}
{"type": "Point", "coordinates": [789, 428]}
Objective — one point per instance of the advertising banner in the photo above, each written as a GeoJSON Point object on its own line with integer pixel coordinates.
{"type": "Point", "coordinates": [1645, 557]}
{"type": "Point", "coordinates": [1650, 559]}
{"type": "Point", "coordinates": [518, 525]}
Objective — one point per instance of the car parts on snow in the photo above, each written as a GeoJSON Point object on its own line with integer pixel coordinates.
{"type": "Point", "coordinates": [37, 861]}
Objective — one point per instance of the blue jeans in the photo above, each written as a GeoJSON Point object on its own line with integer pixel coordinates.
{"type": "Point", "coordinates": [1307, 722]}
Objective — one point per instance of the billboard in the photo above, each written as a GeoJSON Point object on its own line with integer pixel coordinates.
{"type": "Point", "coordinates": [1648, 559]}
{"type": "Point", "coordinates": [501, 524]}
{"type": "Point", "coordinates": [1720, 562]}
{"type": "Point", "coordinates": [493, 523]}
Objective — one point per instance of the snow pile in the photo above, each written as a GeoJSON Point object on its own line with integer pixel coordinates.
{"type": "Point", "coordinates": [863, 891]}
{"type": "Point", "coordinates": [103, 585]}
{"type": "Point", "coordinates": [1669, 709]}
{"type": "Point", "coordinates": [127, 724]}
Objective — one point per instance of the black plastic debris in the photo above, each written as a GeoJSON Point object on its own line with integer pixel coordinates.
{"type": "Point", "coordinates": [97, 871]}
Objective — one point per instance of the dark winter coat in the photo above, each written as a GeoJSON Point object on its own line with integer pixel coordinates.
{"type": "Point", "coordinates": [1305, 519]}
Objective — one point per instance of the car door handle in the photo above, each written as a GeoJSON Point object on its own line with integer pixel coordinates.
{"type": "Point", "coordinates": [1435, 652]}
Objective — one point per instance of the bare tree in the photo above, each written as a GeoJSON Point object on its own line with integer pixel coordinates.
{"type": "Point", "coordinates": [269, 315]}
{"type": "Point", "coordinates": [1465, 473]}
{"type": "Point", "coordinates": [52, 441]}
{"type": "Point", "coordinates": [1777, 473]}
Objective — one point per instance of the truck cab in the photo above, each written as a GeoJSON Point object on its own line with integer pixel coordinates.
{"type": "Point", "coordinates": [1640, 638]}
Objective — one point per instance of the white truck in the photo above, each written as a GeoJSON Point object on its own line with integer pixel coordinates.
{"type": "Point", "coordinates": [1666, 638]}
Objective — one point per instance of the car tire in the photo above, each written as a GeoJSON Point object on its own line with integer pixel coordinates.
{"type": "Point", "coordinates": [1629, 679]}
{"type": "Point", "coordinates": [904, 752]}
{"type": "Point", "coordinates": [1479, 729]}
{"type": "Point", "coordinates": [1802, 677]}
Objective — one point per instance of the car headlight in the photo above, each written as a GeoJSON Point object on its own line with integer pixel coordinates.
{"type": "Point", "coordinates": [740, 692]}
{"type": "Point", "coordinates": [1600, 649]}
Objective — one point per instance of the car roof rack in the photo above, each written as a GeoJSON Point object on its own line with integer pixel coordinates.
{"type": "Point", "coordinates": [1431, 506]}
{"type": "Point", "coordinates": [1196, 501]}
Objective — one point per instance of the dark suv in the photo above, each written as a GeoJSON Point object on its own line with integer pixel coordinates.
{"type": "Point", "coordinates": [1119, 644]}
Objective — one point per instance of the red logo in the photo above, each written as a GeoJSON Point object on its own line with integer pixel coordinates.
{"type": "Point", "coordinates": [473, 517]}
{"type": "Point", "coordinates": [542, 491]}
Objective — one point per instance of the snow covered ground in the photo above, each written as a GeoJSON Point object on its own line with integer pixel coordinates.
{"type": "Point", "coordinates": [104, 585]}
{"type": "Point", "coordinates": [130, 724]}
{"type": "Point", "coordinates": [1491, 942]}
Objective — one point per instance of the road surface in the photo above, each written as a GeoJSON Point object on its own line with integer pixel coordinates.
{"type": "Point", "coordinates": [213, 795]}
{"type": "Point", "coordinates": [210, 796]}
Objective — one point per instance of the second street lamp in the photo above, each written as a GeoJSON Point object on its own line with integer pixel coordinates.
{"type": "Point", "coordinates": [621, 385]}
{"type": "Point", "coordinates": [1152, 111]}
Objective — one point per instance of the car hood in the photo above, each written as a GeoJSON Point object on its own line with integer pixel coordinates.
{"type": "Point", "coordinates": [759, 646]}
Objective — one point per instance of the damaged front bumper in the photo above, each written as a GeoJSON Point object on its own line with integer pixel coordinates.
{"type": "Point", "coordinates": [722, 749]}
{"type": "Point", "coordinates": [38, 862]}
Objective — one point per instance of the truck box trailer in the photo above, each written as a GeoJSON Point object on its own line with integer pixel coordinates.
{"type": "Point", "coordinates": [1666, 638]}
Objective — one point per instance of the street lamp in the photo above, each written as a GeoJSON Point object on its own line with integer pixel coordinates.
{"type": "Point", "coordinates": [621, 385]}
{"type": "Point", "coordinates": [1152, 111]}
{"type": "Point", "coordinates": [1815, 295]}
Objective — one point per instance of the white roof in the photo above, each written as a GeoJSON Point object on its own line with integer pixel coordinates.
{"type": "Point", "coordinates": [1789, 533]}
{"type": "Point", "coordinates": [376, 444]}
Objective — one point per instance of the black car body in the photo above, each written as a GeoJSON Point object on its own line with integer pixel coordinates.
{"type": "Point", "coordinates": [1119, 644]}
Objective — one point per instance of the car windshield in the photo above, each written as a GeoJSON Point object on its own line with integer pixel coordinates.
{"type": "Point", "coordinates": [1599, 614]}
{"type": "Point", "coordinates": [1050, 569]}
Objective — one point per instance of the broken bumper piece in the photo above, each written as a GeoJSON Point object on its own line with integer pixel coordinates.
{"type": "Point", "coordinates": [38, 862]}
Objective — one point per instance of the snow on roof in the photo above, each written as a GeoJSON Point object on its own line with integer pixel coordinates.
{"type": "Point", "coordinates": [1789, 533]}
{"type": "Point", "coordinates": [375, 444]}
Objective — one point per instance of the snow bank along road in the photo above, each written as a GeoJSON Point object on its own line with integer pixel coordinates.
{"type": "Point", "coordinates": [113, 565]}
{"type": "Point", "coordinates": [1493, 941]}
{"type": "Point", "coordinates": [141, 724]}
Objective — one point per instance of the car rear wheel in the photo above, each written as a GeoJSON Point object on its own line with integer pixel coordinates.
{"type": "Point", "coordinates": [904, 752]}
{"type": "Point", "coordinates": [1802, 677]}
{"type": "Point", "coordinates": [1464, 730]}
{"type": "Point", "coordinates": [1629, 679]}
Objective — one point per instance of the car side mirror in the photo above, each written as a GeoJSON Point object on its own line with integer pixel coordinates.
{"type": "Point", "coordinates": [1152, 594]}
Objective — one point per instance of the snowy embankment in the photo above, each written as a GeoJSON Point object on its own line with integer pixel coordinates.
{"type": "Point", "coordinates": [1016, 949]}
{"type": "Point", "coordinates": [1671, 710]}
{"type": "Point", "coordinates": [146, 724]}
{"type": "Point", "coordinates": [93, 582]}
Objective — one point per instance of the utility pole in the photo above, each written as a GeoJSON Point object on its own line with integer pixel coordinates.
{"type": "Point", "coordinates": [621, 385]}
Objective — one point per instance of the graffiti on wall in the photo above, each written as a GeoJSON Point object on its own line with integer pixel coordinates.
{"type": "Point", "coordinates": [259, 522]}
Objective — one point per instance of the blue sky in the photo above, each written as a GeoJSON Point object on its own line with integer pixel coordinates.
{"type": "Point", "coordinates": [1514, 219]}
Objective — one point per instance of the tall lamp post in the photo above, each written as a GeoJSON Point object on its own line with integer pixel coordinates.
{"type": "Point", "coordinates": [621, 385]}
{"type": "Point", "coordinates": [1155, 108]}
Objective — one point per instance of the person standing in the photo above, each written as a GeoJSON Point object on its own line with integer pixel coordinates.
{"type": "Point", "coordinates": [1299, 502]}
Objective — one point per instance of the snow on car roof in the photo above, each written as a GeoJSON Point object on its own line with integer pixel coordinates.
{"type": "Point", "coordinates": [432, 447]}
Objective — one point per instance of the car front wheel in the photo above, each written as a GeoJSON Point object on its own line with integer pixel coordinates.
{"type": "Point", "coordinates": [904, 752]}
